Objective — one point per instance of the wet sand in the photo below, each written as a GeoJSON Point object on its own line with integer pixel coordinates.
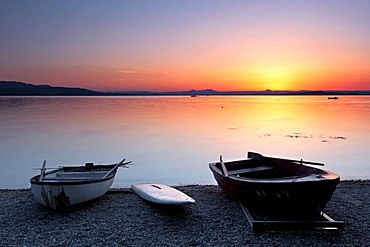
{"type": "Point", "coordinates": [123, 219]}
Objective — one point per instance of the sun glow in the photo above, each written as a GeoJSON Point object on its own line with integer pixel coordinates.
{"type": "Point", "coordinates": [276, 78]}
{"type": "Point", "coordinates": [253, 46]}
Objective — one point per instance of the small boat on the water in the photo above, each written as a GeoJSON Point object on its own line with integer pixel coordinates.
{"type": "Point", "coordinates": [332, 97]}
{"type": "Point", "coordinates": [276, 183]}
{"type": "Point", "coordinates": [69, 185]}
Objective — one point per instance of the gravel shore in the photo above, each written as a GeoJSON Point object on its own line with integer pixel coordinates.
{"type": "Point", "coordinates": [123, 219]}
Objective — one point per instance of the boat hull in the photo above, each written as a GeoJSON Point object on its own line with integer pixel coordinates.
{"type": "Point", "coordinates": [161, 194]}
{"type": "Point", "coordinates": [308, 193]}
{"type": "Point", "coordinates": [61, 195]}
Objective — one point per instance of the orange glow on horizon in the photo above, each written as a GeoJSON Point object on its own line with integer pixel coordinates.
{"type": "Point", "coordinates": [233, 78]}
{"type": "Point", "coordinates": [219, 45]}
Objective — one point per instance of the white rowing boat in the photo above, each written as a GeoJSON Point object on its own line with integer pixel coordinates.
{"type": "Point", "coordinates": [71, 185]}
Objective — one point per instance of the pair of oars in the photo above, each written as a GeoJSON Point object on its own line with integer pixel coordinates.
{"type": "Point", "coordinates": [257, 156]}
{"type": "Point", "coordinates": [122, 163]}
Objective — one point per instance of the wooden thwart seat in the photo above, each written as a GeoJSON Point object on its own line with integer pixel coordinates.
{"type": "Point", "coordinates": [253, 169]}
{"type": "Point", "coordinates": [79, 175]}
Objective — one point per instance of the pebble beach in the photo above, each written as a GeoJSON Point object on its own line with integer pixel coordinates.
{"type": "Point", "coordinates": [121, 218]}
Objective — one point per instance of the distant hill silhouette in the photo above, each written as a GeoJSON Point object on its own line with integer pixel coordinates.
{"type": "Point", "coordinates": [15, 88]}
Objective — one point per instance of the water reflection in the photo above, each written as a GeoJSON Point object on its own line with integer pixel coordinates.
{"type": "Point", "coordinates": [172, 139]}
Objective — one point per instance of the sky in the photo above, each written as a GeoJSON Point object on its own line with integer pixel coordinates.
{"type": "Point", "coordinates": [171, 45]}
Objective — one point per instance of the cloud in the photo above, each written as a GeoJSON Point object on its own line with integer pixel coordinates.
{"type": "Point", "coordinates": [127, 71]}
{"type": "Point", "coordinates": [99, 70]}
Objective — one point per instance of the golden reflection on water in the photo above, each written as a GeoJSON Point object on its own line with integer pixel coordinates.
{"type": "Point", "coordinates": [172, 139]}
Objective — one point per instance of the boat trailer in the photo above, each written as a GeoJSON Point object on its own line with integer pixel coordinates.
{"type": "Point", "coordinates": [296, 222]}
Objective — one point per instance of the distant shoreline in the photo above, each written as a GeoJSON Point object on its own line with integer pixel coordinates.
{"type": "Point", "coordinates": [14, 88]}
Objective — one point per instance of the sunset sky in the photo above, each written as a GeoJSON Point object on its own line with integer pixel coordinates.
{"type": "Point", "coordinates": [170, 45]}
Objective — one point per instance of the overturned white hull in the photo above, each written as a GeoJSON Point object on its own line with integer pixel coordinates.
{"type": "Point", "coordinates": [161, 194]}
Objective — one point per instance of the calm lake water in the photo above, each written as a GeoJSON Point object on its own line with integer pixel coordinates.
{"type": "Point", "coordinates": [171, 140]}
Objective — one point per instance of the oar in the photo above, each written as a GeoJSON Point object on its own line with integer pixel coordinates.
{"type": "Point", "coordinates": [258, 156]}
{"type": "Point", "coordinates": [116, 166]}
{"type": "Point", "coordinates": [46, 168]}
{"type": "Point", "coordinates": [224, 170]}
{"type": "Point", "coordinates": [43, 169]}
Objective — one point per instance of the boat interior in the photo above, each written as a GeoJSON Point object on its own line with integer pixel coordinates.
{"type": "Point", "coordinates": [68, 175]}
{"type": "Point", "coordinates": [250, 168]}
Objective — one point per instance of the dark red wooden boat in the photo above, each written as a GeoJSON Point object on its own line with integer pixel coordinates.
{"type": "Point", "coordinates": [274, 183]}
